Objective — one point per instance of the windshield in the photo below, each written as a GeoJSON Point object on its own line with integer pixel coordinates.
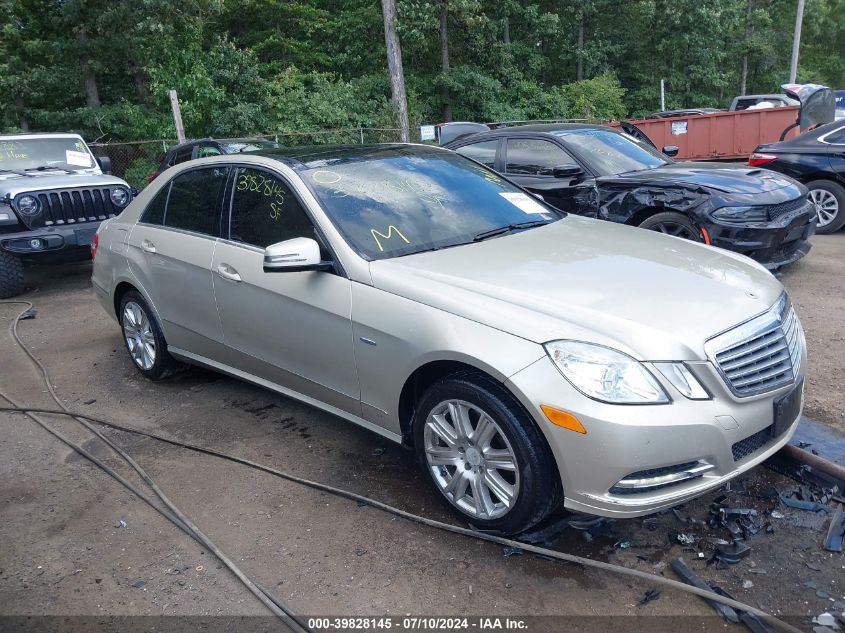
{"type": "Point", "coordinates": [609, 153]}
{"type": "Point", "coordinates": [31, 153]}
{"type": "Point", "coordinates": [403, 203]}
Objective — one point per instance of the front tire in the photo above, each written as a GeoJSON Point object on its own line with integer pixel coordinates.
{"type": "Point", "coordinates": [144, 339]}
{"type": "Point", "coordinates": [483, 454]}
{"type": "Point", "coordinates": [673, 223]}
{"type": "Point", "coordinates": [11, 275]}
{"type": "Point", "coordinates": [828, 198]}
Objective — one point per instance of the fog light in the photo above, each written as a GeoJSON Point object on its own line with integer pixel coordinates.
{"type": "Point", "coordinates": [654, 478]}
{"type": "Point", "coordinates": [36, 244]}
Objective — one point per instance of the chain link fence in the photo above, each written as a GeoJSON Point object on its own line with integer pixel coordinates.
{"type": "Point", "coordinates": [136, 161]}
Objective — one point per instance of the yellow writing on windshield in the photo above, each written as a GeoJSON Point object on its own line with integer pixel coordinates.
{"type": "Point", "coordinates": [390, 231]}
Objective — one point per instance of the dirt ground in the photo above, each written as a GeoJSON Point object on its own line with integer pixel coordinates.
{"type": "Point", "coordinates": [64, 550]}
{"type": "Point", "coordinates": [816, 285]}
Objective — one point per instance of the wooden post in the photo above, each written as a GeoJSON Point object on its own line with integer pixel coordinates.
{"type": "Point", "coordinates": [177, 117]}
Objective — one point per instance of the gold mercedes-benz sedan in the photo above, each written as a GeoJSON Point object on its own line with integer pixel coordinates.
{"type": "Point", "coordinates": [530, 358]}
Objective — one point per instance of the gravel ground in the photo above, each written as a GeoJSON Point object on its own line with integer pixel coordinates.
{"type": "Point", "coordinates": [816, 285]}
{"type": "Point", "coordinates": [64, 550]}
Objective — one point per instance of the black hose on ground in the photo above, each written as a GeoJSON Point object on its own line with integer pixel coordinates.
{"type": "Point", "coordinates": [542, 551]}
{"type": "Point", "coordinates": [173, 513]}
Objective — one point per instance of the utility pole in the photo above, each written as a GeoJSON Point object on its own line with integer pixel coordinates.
{"type": "Point", "coordinates": [796, 42]}
{"type": "Point", "coordinates": [662, 96]}
{"type": "Point", "coordinates": [177, 117]}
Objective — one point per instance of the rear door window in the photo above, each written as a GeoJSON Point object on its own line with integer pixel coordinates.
{"type": "Point", "coordinates": [483, 152]}
{"type": "Point", "coordinates": [154, 213]}
{"type": "Point", "coordinates": [534, 157]}
{"type": "Point", "coordinates": [194, 202]}
{"type": "Point", "coordinates": [182, 155]}
{"type": "Point", "coordinates": [265, 210]}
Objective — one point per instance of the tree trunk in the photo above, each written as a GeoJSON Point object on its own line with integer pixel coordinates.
{"type": "Point", "coordinates": [506, 38]}
{"type": "Point", "coordinates": [89, 82]}
{"type": "Point", "coordinates": [142, 88]}
{"type": "Point", "coordinates": [444, 56]}
{"type": "Point", "coordinates": [23, 124]}
{"type": "Point", "coordinates": [579, 68]}
{"type": "Point", "coordinates": [749, 30]}
{"type": "Point", "coordinates": [394, 65]}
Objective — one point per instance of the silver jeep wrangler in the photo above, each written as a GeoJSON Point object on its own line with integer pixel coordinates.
{"type": "Point", "coordinates": [53, 195]}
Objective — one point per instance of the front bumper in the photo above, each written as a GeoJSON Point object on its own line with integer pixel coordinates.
{"type": "Point", "coordinates": [49, 240]}
{"type": "Point", "coordinates": [773, 244]}
{"type": "Point", "coordinates": [622, 440]}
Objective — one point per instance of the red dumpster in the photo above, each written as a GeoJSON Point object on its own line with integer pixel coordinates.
{"type": "Point", "coordinates": [720, 135]}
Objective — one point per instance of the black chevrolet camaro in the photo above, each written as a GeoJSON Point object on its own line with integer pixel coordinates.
{"type": "Point", "coordinates": [602, 173]}
{"type": "Point", "coordinates": [816, 158]}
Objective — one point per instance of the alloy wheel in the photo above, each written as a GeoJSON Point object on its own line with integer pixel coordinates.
{"type": "Point", "coordinates": [677, 230]}
{"type": "Point", "coordinates": [827, 206]}
{"type": "Point", "coordinates": [140, 340]}
{"type": "Point", "coordinates": [471, 459]}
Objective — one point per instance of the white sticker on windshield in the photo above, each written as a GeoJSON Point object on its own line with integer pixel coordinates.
{"type": "Point", "coordinates": [82, 159]}
{"type": "Point", "coordinates": [525, 203]}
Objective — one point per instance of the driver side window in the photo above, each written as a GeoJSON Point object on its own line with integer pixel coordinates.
{"type": "Point", "coordinates": [264, 210]}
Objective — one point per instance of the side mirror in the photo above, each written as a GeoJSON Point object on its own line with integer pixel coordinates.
{"type": "Point", "coordinates": [567, 171]}
{"type": "Point", "coordinates": [670, 150]}
{"type": "Point", "coordinates": [295, 255]}
{"type": "Point", "coordinates": [105, 164]}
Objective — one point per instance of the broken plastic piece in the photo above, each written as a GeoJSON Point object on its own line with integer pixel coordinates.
{"type": "Point", "coordinates": [31, 313]}
{"type": "Point", "coordinates": [509, 551]}
{"type": "Point", "coordinates": [651, 594]}
{"type": "Point", "coordinates": [810, 506]}
{"type": "Point", "coordinates": [836, 531]}
{"type": "Point", "coordinates": [682, 538]}
{"type": "Point", "coordinates": [733, 553]}
{"type": "Point", "coordinates": [689, 577]}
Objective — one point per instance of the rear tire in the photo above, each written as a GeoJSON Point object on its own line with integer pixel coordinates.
{"type": "Point", "coordinates": [498, 473]}
{"type": "Point", "coordinates": [829, 199]}
{"type": "Point", "coordinates": [143, 338]}
{"type": "Point", "coordinates": [11, 275]}
{"type": "Point", "coordinates": [673, 223]}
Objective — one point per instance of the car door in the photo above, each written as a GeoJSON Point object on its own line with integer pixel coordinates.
{"type": "Point", "coordinates": [293, 329]}
{"type": "Point", "coordinates": [531, 162]}
{"type": "Point", "coordinates": [170, 251]}
{"type": "Point", "coordinates": [835, 142]}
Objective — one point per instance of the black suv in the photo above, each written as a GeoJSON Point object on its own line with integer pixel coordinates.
{"type": "Point", "coordinates": [53, 195]}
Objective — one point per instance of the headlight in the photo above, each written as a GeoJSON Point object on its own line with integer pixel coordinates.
{"type": "Point", "coordinates": [605, 374]}
{"type": "Point", "coordinates": [742, 214]}
{"type": "Point", "coordinates": [683, 380]}
{"type": "Point", "coordinates": [120, 196]}
{"type": "Point", "coordinates": [28, 205]}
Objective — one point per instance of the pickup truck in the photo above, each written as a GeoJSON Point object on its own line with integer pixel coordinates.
{"type": "Point", "coordinates": [53, 195]}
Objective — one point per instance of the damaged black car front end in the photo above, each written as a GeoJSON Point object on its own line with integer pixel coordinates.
{"type": "Point", "coordinates": [749, 211]}
{"type": "Point", "coordinates": [599, 172]}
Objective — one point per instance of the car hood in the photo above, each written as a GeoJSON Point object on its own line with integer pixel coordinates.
{"type": "Point", "coordinates": [13, 184]}
{"type": "Point", "coordinates": [652, 296]}
{"type": "Point", "coordinates": [742, 180]}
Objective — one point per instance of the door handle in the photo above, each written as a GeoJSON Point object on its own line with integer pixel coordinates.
{"type": "Point", "coordinates": [227, 272]}
{"type": "Point", "coordinates": [148, 246]}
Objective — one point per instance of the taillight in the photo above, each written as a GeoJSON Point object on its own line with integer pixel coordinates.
{"type": "Point", "coordinates": [95, 244]}
{"type": "Point", "coordinates": [756, 159]}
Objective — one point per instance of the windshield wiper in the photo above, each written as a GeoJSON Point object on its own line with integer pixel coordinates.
{"type": "Point", "coordinates": [48, 167]}
{"type": "Point", "coordinates": [502, 230]}
{"type": "Point", "coordinates": [12, 171]}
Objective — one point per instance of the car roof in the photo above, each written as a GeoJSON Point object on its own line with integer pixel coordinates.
{"type": "Point", "coordinates": [552, 129]}
{"type": "Point", "coordinates": [314, 156]}
{"type": "Point", "coordinates": [33, 135]}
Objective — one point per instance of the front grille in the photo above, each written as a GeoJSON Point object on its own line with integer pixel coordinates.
{"type": "Point", "coordinates": [77, 205]}
{"type": "Point", "coordinates": [761, 355]}
{"type": "Point", "coordinates": [752, 444]}
{"type": "Point", "coordinates": [777, 210]}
